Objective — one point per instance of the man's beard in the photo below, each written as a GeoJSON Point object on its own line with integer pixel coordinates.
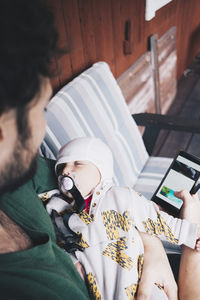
{"type": "Point", "coordinates": [20, 169]}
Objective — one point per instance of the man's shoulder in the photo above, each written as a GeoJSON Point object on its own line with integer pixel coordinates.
{"type": "Point", "coordinates": [24, 206]}
{"type": "Point", "coordinates": [26, 196]}
{"type": "Point", "coordinates": [45, 178]}
{"type": "Point", "coordinates": [45, 166]}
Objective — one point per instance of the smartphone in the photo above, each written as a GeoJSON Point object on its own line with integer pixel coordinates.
{"type": "Point", "coordinates": [182, 174]}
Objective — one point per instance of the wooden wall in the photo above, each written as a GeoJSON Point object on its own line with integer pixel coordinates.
{"type": "Point", "coordinates": [94, 30]}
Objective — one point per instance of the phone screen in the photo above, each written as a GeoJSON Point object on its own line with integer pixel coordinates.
{"type": "Point", "coordinates": [182, 176]}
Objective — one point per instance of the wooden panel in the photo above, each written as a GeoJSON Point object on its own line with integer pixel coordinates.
{"type": "Point", "coordinates": [102, 17]}
{"type": "Point", "coordinates": [94, 30]}
{"type": "Point", "coordinates": [87, 31]}
{"type": "Point", "coordinates": [167, 68]}
{"type": "Point", "coordinates": [137, 86]}
{"type": "Point", "coordinates": [118, 35]}
{"type": "Point", "coordinates": [123, 11]}
{"type": "Point", "coordinates": [138, 82]}
{"type": "Point", "coordinates": [62, 64]}
{"type": "Point", "coordinates": [188, 32]}
{"type": "Point", "coordinates": [73, 30]}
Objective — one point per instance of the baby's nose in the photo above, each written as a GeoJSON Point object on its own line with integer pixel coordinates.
{"type": "Point", "coordinates": [67, 170]}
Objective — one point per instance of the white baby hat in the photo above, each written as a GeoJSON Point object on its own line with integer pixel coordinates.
{"type": "Point", "coordinates": [91, 149]}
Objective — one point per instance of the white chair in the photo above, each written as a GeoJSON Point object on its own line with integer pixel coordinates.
{"type": "Point", "coordinates": [93, 105]}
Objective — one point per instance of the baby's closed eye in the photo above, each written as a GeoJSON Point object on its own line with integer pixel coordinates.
{"type": "Point", "coordinates": [79, 163]}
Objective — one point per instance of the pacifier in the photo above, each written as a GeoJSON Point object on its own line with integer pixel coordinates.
{"type": "Point", "coordinates": [67, 185]}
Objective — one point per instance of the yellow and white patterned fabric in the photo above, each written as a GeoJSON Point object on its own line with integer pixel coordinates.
{"type": "Point", "coordinates": [113, 250]}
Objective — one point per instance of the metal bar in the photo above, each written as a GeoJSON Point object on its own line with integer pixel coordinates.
{"type": "Point", "coordinates": [155, 69]}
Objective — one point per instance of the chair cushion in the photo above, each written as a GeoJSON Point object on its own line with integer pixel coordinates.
{"type": "Point", "coordinates": [151, 175]}
{"type": "Point", "coordinates": [93, 105]}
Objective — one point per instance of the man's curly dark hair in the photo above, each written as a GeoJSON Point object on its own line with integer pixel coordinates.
{"type": "Point", "coordinates": [28, 44]}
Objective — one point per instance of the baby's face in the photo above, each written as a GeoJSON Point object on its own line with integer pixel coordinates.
{"type": "Point", "coordinates": [85, 174]}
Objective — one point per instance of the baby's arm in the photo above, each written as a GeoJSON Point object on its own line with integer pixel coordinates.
{"type": "Point", "coordinates": [156, 269]}
{"type": "Point", "coordinates": [148, 218]}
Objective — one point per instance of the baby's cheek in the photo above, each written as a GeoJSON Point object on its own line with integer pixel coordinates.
{"type": "Point", "coordinates": [96, 180]}
{"type": "Point", "coordinates": [85, 189]}
{"type": "Point", "coordinates": [76, 177]}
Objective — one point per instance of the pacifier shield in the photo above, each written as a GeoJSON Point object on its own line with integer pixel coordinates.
{"type": "Point", "coordinates": [67, 183]}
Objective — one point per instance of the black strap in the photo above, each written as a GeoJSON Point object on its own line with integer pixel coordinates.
{"type": "Point", "coordinates": [68, 242]}
{"type": "Point", "coordinates": [79, 200]}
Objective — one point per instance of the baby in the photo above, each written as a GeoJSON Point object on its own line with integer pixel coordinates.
{"type": "Point", "coordinates": [107, 238]}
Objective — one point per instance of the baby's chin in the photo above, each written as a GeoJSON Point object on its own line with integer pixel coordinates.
{"type": "Point", "coordinates": [87, 195]}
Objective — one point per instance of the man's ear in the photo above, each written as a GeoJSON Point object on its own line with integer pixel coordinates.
{"type": "Point", "coordinates": [2, 124]}
{"type": "Point", "coordinates": [1, 133]}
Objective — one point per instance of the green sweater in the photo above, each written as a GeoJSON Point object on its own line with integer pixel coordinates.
{"type": "Point", "coordinates": [44, 271]}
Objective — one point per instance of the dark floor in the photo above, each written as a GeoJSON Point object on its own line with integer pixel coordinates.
{"type": "Point", "coordinates": [186, 104]}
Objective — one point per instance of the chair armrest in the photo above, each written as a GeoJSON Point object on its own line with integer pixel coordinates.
{"type": "Point", "coordinates": [155, 122]}
{"type": "Point", "coordinates": [167, 122]}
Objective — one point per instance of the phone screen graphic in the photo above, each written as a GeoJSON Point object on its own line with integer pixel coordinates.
{"type": "Point", "coordinates": [182, 175]}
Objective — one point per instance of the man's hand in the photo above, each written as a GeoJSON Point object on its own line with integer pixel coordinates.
{"type": "Point", "coordinates": [156, 269]}
{"type": "Point", "coordinates": [189, 272]}
{"type": "Point", "coordinates": [79, 267]}
{"type": "Point", "coordinates": [191, 206]}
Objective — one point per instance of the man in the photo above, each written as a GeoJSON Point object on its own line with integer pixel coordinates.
{"type": "Point", "coordinates": [31, 265]}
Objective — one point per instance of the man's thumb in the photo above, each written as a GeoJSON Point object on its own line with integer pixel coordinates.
{"type": "Point", "coordinates": [145, 288]}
